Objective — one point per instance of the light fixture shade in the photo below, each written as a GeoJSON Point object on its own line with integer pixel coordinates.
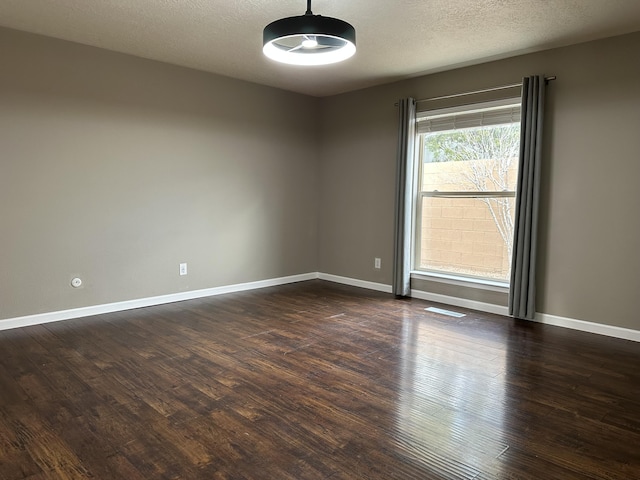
{"type": "Point", "coordinates": [309, 40]}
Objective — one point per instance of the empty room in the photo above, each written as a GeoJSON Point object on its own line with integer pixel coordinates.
{"type": "Point", "coordinates": [328, 240]}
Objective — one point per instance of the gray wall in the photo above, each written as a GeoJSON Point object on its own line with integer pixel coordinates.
{"type": "Point", "coordinates": [589, 268]}
{"type": "Point", "coordinates": [116, 169]}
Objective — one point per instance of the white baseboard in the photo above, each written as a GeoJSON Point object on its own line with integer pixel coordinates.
{"type": "Point", "coordinates": [591, 327]}
{"type": "Point", "coordinates": [40, 318]}
{"type": "Point", "coordinates": [380, 287]}
{"type": "Point", "coordinates": [547, 319]}
{"type": "Point", "coordinates": [572, 323]}
{"type": "Point", "coordinates": [460, 302]}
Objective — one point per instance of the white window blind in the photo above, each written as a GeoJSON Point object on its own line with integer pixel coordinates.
{"type": "Point", "coordinates": [468, 117]}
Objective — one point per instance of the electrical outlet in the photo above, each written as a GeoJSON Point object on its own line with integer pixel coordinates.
{"type": "Point", "coordinates": [376, 263]}
{"type": "Point", "coordinates": [183, 269]}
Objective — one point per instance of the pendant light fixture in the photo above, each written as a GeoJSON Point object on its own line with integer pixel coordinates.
{"type": "Point", "coordinates": [309, 39]}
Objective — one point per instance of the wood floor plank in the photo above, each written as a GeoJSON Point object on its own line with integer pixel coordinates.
{"type": "Point", "coordinates": [315, 381]}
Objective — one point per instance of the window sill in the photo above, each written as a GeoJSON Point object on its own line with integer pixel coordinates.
{"type": "Point", "coordinates": [494, 286]}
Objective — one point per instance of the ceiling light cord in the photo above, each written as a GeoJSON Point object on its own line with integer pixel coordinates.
{"type": "Point", "coordinates": [308, 12]}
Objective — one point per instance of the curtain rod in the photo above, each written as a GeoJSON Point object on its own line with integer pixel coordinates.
{"type": "Point", "coordinates": [475, 92]}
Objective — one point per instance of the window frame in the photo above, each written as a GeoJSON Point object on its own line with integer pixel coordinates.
{"type": "Point", "coordinates": [441, 276]}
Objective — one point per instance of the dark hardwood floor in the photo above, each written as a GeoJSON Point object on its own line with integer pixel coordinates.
{"type": "Point", "coordinates": [315, 381]}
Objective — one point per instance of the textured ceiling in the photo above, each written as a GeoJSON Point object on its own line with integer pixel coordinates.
{"type": "Point", "coordinates": [395, 39]}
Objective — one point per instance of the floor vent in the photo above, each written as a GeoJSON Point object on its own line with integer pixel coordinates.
{"type": "Point", "coordinates": [442, 311]}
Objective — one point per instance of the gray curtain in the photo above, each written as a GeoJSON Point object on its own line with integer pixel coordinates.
{"type": "Point", "coordinates": [522, 293]}
{"type": "Point", "coordinates": [404, 200]}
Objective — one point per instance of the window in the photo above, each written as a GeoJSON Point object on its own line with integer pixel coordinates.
{"type": "Point", "coordinates": [465, 201]}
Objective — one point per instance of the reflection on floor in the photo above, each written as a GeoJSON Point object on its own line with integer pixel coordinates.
{"type": "Point", "coordinates": [315, 381]}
